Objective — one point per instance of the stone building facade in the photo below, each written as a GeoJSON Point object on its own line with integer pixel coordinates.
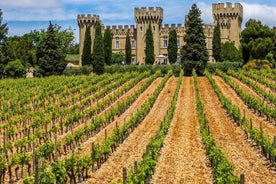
{"type": "Point", "coordinates": [229, 16]}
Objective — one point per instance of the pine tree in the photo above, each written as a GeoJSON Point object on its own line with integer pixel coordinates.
{"type": "Point", "coordinates": [194, 52]}
{"type": "Point", "coordinates": [216, 43]}
{"type": "Point", "coordinates": [149, 46]}
{"type": "Point", "coordinates": [51, 58]}
{"type": "Point", "coordinates": [107, 46]}
{"type": "Point", "coordinates": [128, 49]}
{"type": "Point", "coordinates": [172, 46]}
{"type": "Point", "coordinates": [3, 38]}
{"type": "Point", "coordinates": [98, 50]}
{"type": "Point", "coordinates": [86, 53]}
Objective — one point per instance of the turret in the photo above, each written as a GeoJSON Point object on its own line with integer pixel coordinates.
{"type": "Point", "coordinates": [230, 18]}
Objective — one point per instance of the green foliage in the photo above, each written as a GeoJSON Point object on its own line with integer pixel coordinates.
{"type": "Point", "coordinates": [256, 40]}
{"type": "Point", "coordinates": [14, 69]}
{"type": "Point", "coordinates": [149, 46]}
{"type": "Point", "coordinates": [86, 52]}
{"type": "Point", "coordinates": [223, 66]}
{"type": "Point", "coordinates": [3, 37]}
{"type": "Point", "coordinates": [107, 46]}
{"type": "Point", "coordinates": [83, 70]}
{"type": "Point", "coordinates": [257, 64]}
{"type": "Point", "coordinates": [51, 57]}
{"type": "Point", "coordinates": [46, 175]}
{"type": "Point", "coordinates": [172, 46]}
{"type": "Point", "coordinates": [230, 53]}
{"type": "Point", "coordinates": [98, 50]}
{"type": "Point", "coordinates": [194, 52]}
{"type": "Point", "coordinates": [216, 43]}
{"type": "Point", "coordinates": [59, 171]}
{"type": "Point", "coordinates": [117, 57]}
{"type": "Point", "coordinates": [128, 49]}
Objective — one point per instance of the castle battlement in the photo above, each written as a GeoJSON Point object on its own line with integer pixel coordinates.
{"type": "Point", "coordinates": [151, 14]}
{"type": "Point", "coordinates": [86, 20]}
{"type": "Point", "coordinates": [228, 9]}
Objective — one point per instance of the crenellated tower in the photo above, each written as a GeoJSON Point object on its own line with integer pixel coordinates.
{"type": "Point", "coordinates": [230, 18]}
{"type": "Point", "coordinates": [144, 18]}
{"type": "Point", "coordinates": [83, 22]}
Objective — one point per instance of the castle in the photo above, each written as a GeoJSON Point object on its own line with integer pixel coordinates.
{"type": "Point", "coordinates": [228, 15]}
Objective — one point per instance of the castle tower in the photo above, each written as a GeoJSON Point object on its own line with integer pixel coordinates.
{"type": "Point", "coordinates": [230, 19]}
{"type": "Point", "coordinates": [144, 18]}
{"type": "Point", "coordinates": [83, 22]}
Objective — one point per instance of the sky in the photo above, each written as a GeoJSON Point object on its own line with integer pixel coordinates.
{"type": "Point", "coordinates": [22, 16]}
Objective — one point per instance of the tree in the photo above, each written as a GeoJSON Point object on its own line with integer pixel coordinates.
{"type": "Point", "coordinates": [51, 57]}
{"type": "Point", "coordinates": [117, 57]}
{"type": "Point", "coordinates": [14, 69]}
{"type": "Point", "coordinates": [128, 49]}
{"type": "Point", "coordinates": [172, 46]}
{"type": "Point", "coordinates": [230, 53]}
{"type": "Point", "coordinates": [216, 43]}
{"type": "Point", "coordinates": [3, 37]}
{"type": "Point", "coordinates": [107, 46]}
{"type": "Point", "coordinates": [274, 44]}
{"type": "Point", "coordinates": [149, 46]}
{"type": "Point", "coordinates": [194, 52]}
{"type": "Point", "coordinates": [256, 40]}
{"type": "Point", "coordinates": [98, 50]}
{"type": "Point", "coordinates": [86, 53]}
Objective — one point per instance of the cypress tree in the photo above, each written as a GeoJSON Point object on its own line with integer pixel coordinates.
{"type": "Point", "coordinates": [107, 46]}
{"type": "Point", "coordinates": [3, 39]}
{"type": "Point", "coordinates": [216, 43]}
{"type": "Point", "coordinates": [149, 46]}
{"type": "Point", "coordinates": [128, 49]}
{"type": "Point", "coordinates": [194, 52]}
{"type": "Point", "coordinates": [172, 46]}
{"type": "Point", "coordinates": [98, 50]}
{"type": "Point", "coordinates": [86, 53]}
{"type": "Point", "coordinates": [51, 57]}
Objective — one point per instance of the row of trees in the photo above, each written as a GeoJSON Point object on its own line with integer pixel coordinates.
{"type": "Point", "coordinates": [44, 50]}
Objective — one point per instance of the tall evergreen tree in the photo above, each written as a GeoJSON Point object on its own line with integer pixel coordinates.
{"type": "Point", "coordinates": [107, 46]}
{"type": "Point", "coordinates": [51, 57]}
{"type": "Point", "coordinates": [216, 43]}
{"type": "Point", "coordinates": [86, 53]}
{"type": "Point", "coordinates": [3, 38]}
{"type": "Point", "coordinates": [194, 52]}
{"type": "Point", "coordinates": [149, 46]}
{"type": "Point", "coordinates": [128, 49]}
{"type": "Point", "coordinates": [172, 46]}
{"type": "Point", "coordinates": [98, 50]}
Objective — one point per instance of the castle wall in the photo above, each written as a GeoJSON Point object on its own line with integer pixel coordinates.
{"type": "Point", "coordinates": [228, 15]}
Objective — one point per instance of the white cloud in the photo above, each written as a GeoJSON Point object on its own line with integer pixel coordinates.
{"type": "Point", "coordinates": [206, 13]}
{"type": "Point", "coordinates": [264, 13]}
{"type": "Point", "coordinates": [29, 3]}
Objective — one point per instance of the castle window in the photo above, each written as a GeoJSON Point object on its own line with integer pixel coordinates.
{"type": "Point", "coordinates": [153, 28]}
{"type": "Point", "coordinates": [117, 43]}
{"type": "Point", "coordinates": [132, 43]}
{"type": "Point", "coordinates": [133, 60]}
{"type": "Point", "coordinates": [165, 42]}
{"type": "Point", "coordinates": [178, 41]}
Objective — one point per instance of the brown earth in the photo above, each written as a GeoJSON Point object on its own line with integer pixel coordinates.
{"type": "Point", "coordinates": [231, 139]}
{"type": "Point", "coordinates": [183, 158]}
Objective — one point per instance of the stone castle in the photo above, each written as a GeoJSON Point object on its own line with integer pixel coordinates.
{"type": "Point", "coordinates": [228, 15]}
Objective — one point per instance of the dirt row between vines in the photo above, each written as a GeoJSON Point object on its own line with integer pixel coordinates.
{"type": "Point", "coordinates": [228, 92]}
{"type": "Point", "coordinates": [86, 146]}
{"type": "Point", "coordinates": [183, 158]}
{"type": "Point", "coordinates": [133, 147]}
{"type": "Point", "coordinates": [231, 139]}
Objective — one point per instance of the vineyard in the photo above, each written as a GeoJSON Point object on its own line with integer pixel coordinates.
{"type": "Point", "coordinates": [139, 127]}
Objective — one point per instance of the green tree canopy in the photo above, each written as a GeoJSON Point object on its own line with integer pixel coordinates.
{"type": "Point", "coordinates": [230, 53]}
{"type": "Point", "coordinates": [50, 54]}
{"type": "Point", "coordinates": [98, 50]}
{"type": "Point", "coordinates": [14, 69]}
{"type": "Point", "coordinates": [3, 37]}
{"type": "Point", "coordinates": [149, 46]}
{"type": "Point", "coordinates": [255, 38]}
{"type": "Point", "coordinates": [216, 43]}
{"type": "Point", "coordinates": [86, 52]}
{"type": "Point", "coordinates": [194, 52]}
{"type": "Point", "coordinates": [117, 57]}
{"type": "Point", "coordinates": [128, 49]}
{"type": "Point", "coordinates": [107, 46]}
{"type": "Point", "coordinates": [172, 46]}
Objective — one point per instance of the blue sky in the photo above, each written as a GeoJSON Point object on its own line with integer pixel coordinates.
{"type": "Point", "coordinates": [23, 16]}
